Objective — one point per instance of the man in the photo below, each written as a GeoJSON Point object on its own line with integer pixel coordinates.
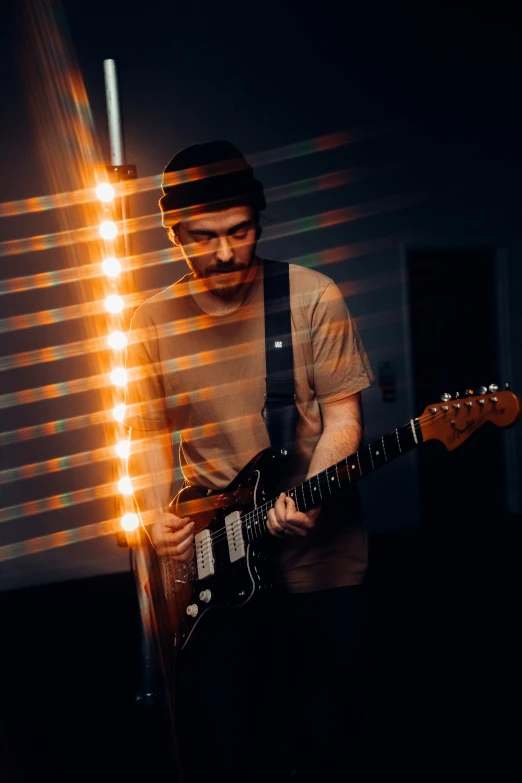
{"type": "Point", "coordinates": [271, 688]}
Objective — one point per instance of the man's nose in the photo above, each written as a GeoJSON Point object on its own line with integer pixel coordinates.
{"type": "Point", "coordinates": [225, 252]}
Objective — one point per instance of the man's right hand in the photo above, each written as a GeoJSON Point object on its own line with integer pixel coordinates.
{"type": "Point", "coordinates": [173, 536]}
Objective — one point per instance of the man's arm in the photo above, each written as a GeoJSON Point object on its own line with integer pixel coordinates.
{"type": "Point", "coordinates": [341, 436]}
{"type": "Point", "coordinates": [342, 433]}
{"type": "Point", "coordinates": [151, 468]}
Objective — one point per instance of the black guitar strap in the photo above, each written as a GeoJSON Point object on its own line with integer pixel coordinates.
{"type": "Point", "coordinates": [279, 412]}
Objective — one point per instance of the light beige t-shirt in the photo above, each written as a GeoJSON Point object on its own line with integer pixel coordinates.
{"type": "Point", "coordinates": [204, 376]}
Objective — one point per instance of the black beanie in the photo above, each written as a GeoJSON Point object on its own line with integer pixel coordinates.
{"type": "Point", "coordinates": [214, 174]}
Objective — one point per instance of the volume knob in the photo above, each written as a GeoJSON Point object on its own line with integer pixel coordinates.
{"type": "Point", "coordinates": [192, 610]}
{"type": "Point", "coordinates": [205, 596]}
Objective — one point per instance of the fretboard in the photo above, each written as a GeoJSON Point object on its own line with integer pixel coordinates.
{"type": "Point", "coordinates": [338, 477]}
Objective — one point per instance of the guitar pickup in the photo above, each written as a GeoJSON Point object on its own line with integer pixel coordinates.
{"type": "Point", "coordinates": [236, 543]}
{"type": "Point", "coordinates": [204, 554]}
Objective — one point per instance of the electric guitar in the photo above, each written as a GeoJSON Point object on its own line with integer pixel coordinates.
{"type": "Point", "coordinates": [228, 566]}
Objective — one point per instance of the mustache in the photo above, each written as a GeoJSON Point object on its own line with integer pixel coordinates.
{"type": "Point", "coordinates": [223, 269]}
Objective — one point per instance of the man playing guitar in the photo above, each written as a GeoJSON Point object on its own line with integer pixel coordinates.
{"type": "Point", "coordinates": [272, 689]}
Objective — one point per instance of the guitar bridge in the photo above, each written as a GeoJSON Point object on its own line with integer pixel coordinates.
{"type": "Point", "coordinates": [236, 543]}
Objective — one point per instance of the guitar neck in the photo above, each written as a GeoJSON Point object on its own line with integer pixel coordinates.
{"type": "Point", "coordinates": [338, 477]}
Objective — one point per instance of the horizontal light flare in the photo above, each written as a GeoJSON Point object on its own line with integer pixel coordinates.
{"type": "Point", "coordinates": [294, 227]}
{"type": "Point", "coordinates": [150, 222]}
{"type": "Point", "coordinates": [143, 184]}
{"type": "Point", "coordinates": [53, 390]}
{"type": "Point", "coordinates": [63, 314]}
{"type": "Point", "coordinates": [55, 427]}
{"type": "Point", "coordinates": [105, 192]}
{"type": "Point", "coordinates": [130, 522]}
{"type": "Point", "coordinates": [56, 465]}
{"type": "Point", "coordinates": [111, 267]}
{"type": "Point", "coordinates": [81, 273]}
{"type": "Point", "coordinates": [119, 376]}
{"type": "Point", "coordinates": [114, 303]}
{"type": "Point", "coordinates": [118, 411]}
{"type": "Point", "coordinates": [56, 502]}
{"type": "Point", "coordinates": [55, 353]}
{"type": "Point", "coordinates": [78, 460]}
{"type": "Point", "coordinates": [108, 229]}
{"type": "Point", "coordinates": [15, 247]}
{"type": "Point", "coordinates": [157, 257]}
{"type": "Point", "coordinates": [33, 546]}
{"type": "Point", "coordinates": [122, 448]}
{"type": "Point", "coordinates": [117, 340]}
{"type": "Point", "coordinates": [125, 485]}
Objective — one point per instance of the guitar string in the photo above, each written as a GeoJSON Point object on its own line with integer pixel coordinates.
{"type": "Point", "coordinates": [221, 533]}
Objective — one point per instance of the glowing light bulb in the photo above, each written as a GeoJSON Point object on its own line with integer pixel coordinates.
{"type": "Point", "coordinates": [125, 485]}
{"type": "Point", "coordinates": [111, 266]}
{"type": "Point", "coordinates": [114, 303]}
{"type": "Point", "coordinates": [122, 448]}
{"type": "Point", "coordinates": [117, 340]}
{"type": "Point", "coordinates": [119, 376]}
{"type": "Point", "coordinates": [119, 411]}
{"type": "Point", "coordinates": [105, 191]}
{"type": "Point", "coordinates": [108, 229]}
{"type": "Point", "coordinates": [130, 522]}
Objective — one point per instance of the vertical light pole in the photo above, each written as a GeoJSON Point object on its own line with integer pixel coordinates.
{"type": "Point", "coordinates": [118, 170]}
{"type": "Point", "coordinates": [113, 113]}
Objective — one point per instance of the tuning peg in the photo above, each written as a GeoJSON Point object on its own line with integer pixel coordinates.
{"type": "Point", "coordinates": [482, 390]}
{"type": "Point", "coordinates": [445, 397]}
{"type": "Point", "coordinates": [493, 387]}
{"type": "Point", "coordinates": [506, 386]}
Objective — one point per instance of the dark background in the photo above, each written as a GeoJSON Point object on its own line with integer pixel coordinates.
{"type": "Point", "coordinates": [434, 95]}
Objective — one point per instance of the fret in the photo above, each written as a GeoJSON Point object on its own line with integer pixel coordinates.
{"type": "Point", "coordinates": [329, 480]}
{"type": "Point", "coordinates": [315, 490]}
{"type": "Point", "coordinates": [312, 497]}
{"type": "Point", "coordinates": [377, 454]}
{"type": "Point", "coordinates": [337, 474]}
{"type": "Point", "coordinates": [391, 446]}
{"type": "Point", "coordinates": [263, 520]}
{"type": "Point", "coordinates": [398, 441]}
{"type": "Point", "coordinates": [348, 470]}
{"type": "Point", "coordinates": [304, 499]}
{"type": "Point", "coordinates": [359, 463]}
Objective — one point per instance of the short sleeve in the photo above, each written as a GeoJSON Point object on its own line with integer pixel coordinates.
{"type": "Point", "coordinates": [341, 366]}
{"type": "Point", "coordinates": [145, 406]}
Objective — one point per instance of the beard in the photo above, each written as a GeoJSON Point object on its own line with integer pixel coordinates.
{"type": "Point", "coordinates": [223, 281]}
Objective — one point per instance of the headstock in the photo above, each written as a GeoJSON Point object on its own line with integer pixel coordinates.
{"type": "Point", "coordinates": [453, 420]}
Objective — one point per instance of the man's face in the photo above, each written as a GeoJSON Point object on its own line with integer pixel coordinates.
{"type": "Point", "coordinates": [219, 248]}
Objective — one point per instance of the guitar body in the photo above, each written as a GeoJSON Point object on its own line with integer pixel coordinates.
{"type": "Point", "coordinates": [227, 570]}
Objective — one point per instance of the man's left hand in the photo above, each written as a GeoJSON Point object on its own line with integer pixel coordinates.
{"type": "Point", "coordinates": [285, 520]}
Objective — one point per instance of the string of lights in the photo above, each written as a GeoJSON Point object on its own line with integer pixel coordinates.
{"type": "Point", "coordinates": [117, 341]}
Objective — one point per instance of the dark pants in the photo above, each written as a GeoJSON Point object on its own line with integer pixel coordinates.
{"type": "Point", "coordinates": [273, 691]}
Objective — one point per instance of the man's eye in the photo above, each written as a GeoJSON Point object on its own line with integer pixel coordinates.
{"type": "Point", "coordinates": [241, 234]}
